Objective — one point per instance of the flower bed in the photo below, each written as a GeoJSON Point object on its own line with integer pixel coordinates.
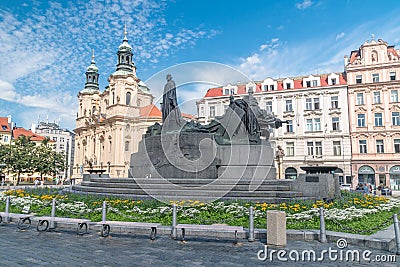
{"type": "Point", "coordinates": [356, 211]}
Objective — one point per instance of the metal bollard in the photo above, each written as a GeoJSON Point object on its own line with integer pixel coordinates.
{"type": "Point", "coordinates": [104, 211]}
{"type": "Point", "coordinates": [7, 216]}
{"type": "Point", "coordinates": [173, 229]}
{"type": "Point", "coordinates": [53, 214]}
{"type": "Point", "coordinates": [322, 230]}
{"type": "Point", "coordinates": [251, 224]}
{"type": "Point", "coordinates": [397, 232]}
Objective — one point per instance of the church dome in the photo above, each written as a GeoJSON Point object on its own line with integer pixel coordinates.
{"type": "Point", "coordinates": [92, 68]}
{"type": "Point", "coordinates": [125, 46]}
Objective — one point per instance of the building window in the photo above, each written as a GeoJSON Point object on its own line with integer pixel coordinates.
{"type": "Point", "coordinates": [268, 106]}
{"type": "Point", "coordinates": [317, 124]}
{"type": "Point", "coordinates": [289, 126]}
{"type": "Point", "coordinates": [314, 148]}
{"type": "Point", "coordinates": [226, 91]}
{"type": "Point", "coordinates": [377, 97]}
{"type": "Point", "coordinates": [333, 81]}
{"type": "Point", "coordinates": [358, 79]}
{"type": "Point", "coordinates": [290, 149]}
{"type": "Point", "coordinates": [378, 119]}
{"type": "Point", "coordinates": [212, 111]}
{"type": "Point", "coordinates": [289, 106]}
{"type": "Point", "coordinates": [337, 149]}
{"type": "Point", "coordinates": [396, 145]}
{"type": "Point", "coordinates": [126, 145]}
{"type": "Point", "coordinates": [265, 87]}
{"type": "Point", "coordinates": [335, 102]}
{"type": "Point", "coordinates": [113, 98]}
{"type": "Point", "coordinates": [310, 148]}
{"type": "Point", "coordinates": [232, 91]}
{"type": "Point", "coordinates": [335, 124]}
{"type": "Point", "coordinates": [128, 98]}
{"type": "Point", "coordinates": [62, 139]}
{"type": "Point", "coordinates": [288, 85]}
{"type": "Point", "coordinates": [201, 111]}
{"type": "Point", "coordinates": [392, 75]}
{"type": "Point", "coordinates": [6, 138]}
{"type": "Point", "coordinates": [62, 146]}
{"type": "Point", "coordinates": [315, 83]}
{"type": "Point", "coordinates": [394, 96]}
{"type": "Point", "coordinates": [308, 104]}
{"type": "Point", "coordinates": [308, 83]}
{"type": "Point", "coordinates": [375, 77]}
{"type": "Point", "coordinates": [396, 118]}
{"type": "Point", "coordinates": [55, 139]}
{"type": "Point", "coordinates": [309, 125]}
{"type": "Point", "coordinates": [313, 125]}
{"type": "Point", "coordinates": [360, 99]}
{"type": "Point", "coordinates": [312, 103]}
{"type": "Point", "coordinates": [363, 146]}
{"type": "Point", "coordinates": [272, 87]}
{"type": "Point", "coordinates": [379, 146]}
{"type": "Point", "coordinates": [316, 103]}
{"type": "Point", "coordinates": [361, 120]}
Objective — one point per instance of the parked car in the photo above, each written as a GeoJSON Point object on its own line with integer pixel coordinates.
{"type": "Point", "coordinates": [346, 187]}
{"type": "Point", "coordinates": [386, 191]}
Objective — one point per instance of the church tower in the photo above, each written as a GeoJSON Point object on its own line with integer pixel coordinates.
{"type": "Point", "coordinates": [125, 62]}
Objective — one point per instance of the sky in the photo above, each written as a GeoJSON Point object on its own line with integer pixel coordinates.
{"type": "Point", "coordinates": [46, 46]}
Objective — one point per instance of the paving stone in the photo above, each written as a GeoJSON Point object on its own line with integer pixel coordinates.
{"type": "Point", "coordinates": [65, 248]}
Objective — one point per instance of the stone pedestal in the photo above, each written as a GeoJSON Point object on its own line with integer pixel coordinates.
{"type": "Point", "coordinates": [276, 228]}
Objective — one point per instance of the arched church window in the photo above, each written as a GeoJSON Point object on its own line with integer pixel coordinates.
{"type": "Point", "coordinates": [113, 98]}
{"type": "Point", "coordinates": [128, 98]}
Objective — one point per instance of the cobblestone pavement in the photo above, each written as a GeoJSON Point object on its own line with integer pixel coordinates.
{"type": "Point", "coordinates": [64, 248]}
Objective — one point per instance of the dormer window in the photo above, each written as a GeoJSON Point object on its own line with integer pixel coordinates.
{"type": "Point", "coordinates": [268, 85]}
{"type": "Point", "coordinates": [229, 90]}
{"type": "Point", "coordinates": [308, 83]}
{"type": "Point", "coordinates": [251, 86]}
{"type": "Point", "coordinates": [333, 81]}
{"type": "Point", "coordinates": [288, 85]}
{"type": "Point", "coordinates": [226, 91]}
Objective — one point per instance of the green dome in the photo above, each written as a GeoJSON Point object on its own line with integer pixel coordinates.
{"type": "Point", "coordinates": [92, 68]}
{"type": "Point", "coordinates": [125, 46]}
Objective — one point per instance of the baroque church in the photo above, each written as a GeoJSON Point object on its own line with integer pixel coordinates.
{"type": "Point", "coordinates": [110, 124]}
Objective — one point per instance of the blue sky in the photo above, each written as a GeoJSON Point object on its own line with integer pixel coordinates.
{"type": "Point", "coordinates": [45, 46]}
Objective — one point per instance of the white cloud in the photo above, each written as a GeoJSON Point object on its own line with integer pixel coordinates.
{"type": "Point", "coordinates": [323, 54]}
{"type": "Point", "coordinates": [340, 36]}
{"type": "Point", "coordinates": [46, 54]}
{"type": "Point", "coordinates": [304, 5]}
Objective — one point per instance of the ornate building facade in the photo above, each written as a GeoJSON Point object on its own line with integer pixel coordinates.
{"type": "Point", "coordinates": [315, 107]}
{"type": "Point", "coordinates": [373, 84]}
{"type": "Point", "coordinates": [63, 142]}
{"type": "Point", "coordinates": [110, 124]}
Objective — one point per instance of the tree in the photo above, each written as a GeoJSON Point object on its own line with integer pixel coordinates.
{"type": "Point", "coordinates": [22, 156]}
{"type": "Point", "coordinates": [43, 159]}
{"type": "Point", "coordinates": [5, 151]}
{"type": "Point", "coordinates": [46, 160]}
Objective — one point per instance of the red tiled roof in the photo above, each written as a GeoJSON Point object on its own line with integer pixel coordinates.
{"type": "Point", "coordinates": [150, 111]}
{"type": "Point", "coordinates": [188, 116]}
{"type": "Point", "coordinates": [4, 126]}
{"type": "Point", "coordinates": [28, 133]}
{"type": "Point", "coordinates": [392, 50]}
{"type": "Point", "coordinates": [353, 55]}
{"type": "Point", "coordinates": [297, 83]}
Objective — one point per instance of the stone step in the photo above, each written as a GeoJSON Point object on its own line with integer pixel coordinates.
{"type": "Point", "coordinates": [167, 199]}
{"type": "Point", "coordinates": [189, 193]}
{"type": "Point", "coordinates": [155, 180]}
{"type": "Point", "coordinates": [214, 186]}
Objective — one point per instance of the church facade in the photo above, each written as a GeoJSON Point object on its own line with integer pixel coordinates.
{"type": "Point", "coordinates": [110, 123]}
